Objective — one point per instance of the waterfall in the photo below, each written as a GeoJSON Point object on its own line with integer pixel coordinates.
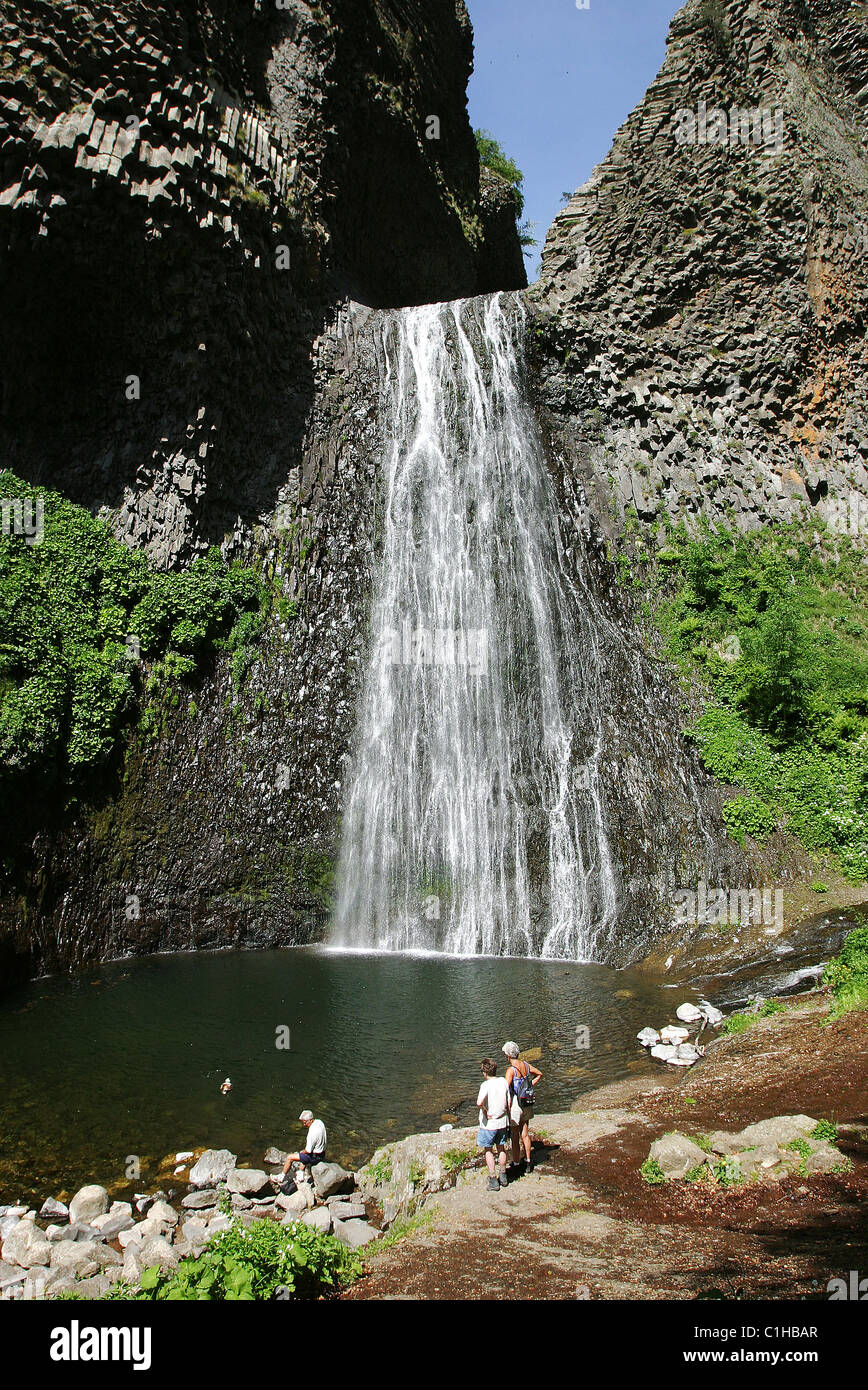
{"type": "Point", "coordinates": [473, 821]}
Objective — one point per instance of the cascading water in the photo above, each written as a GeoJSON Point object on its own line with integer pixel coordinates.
{"type": "Point", "coordinates": [473, 821]}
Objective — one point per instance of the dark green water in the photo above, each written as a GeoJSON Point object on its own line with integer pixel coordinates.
{"type": "Point", "coordinates": [128, 1059]}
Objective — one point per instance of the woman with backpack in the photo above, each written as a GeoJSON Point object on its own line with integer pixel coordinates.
{"type": "Point", "coordinates": [521, 1078]}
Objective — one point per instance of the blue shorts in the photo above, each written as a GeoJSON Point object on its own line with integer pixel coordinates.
{"type": "Point", "coordinates": [309, 1159]}
{"type": "Point", "coordinates": [493, 1138]}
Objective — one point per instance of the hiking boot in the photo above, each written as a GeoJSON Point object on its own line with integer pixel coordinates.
{"type": "Point", "coordinates": [493, 1185]}
{"type": "Point", "coordinates": [503, 1179]}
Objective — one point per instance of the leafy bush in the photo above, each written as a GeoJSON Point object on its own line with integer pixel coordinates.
{"type": "Point", "coordinates": [770, 1007]}
{"type": "Point", "coordinates": [76, 613]}
{"type": "Point", "coordinates": [736, 1023]}
{"type": "Point", "coordinates": [492, 156]}
{"type": "Point", "coordinates": [847, 974]}
{"type": "Point", "coordinates": [747, 815]}
{"type": "Point", "coordinates": [799, 1146]}
{"type": "Point", "coordinates": [652, 1172]}
{"type": "Point", "coordinates": [777, 637]}
{"type": "Point", "coordinates": [698, 1173]}
{"type": "Point", "coordinates": [260, 1261]}
{"type": "Point", "coordinates": [728, 1171]}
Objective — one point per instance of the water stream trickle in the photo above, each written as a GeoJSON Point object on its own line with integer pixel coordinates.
{"type": "Point", "coordinates": [473, 821]}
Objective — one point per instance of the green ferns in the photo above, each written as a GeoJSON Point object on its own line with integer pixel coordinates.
{"type": "Point", "coordinates": [781, 639]}
{"type": "Point", "coordinates": [77, 613]}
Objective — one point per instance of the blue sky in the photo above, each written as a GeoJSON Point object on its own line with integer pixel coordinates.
{"type": "Point", "coordinates": [552, 83]}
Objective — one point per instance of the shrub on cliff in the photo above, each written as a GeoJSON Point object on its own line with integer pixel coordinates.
{"type": "Point", "coordinates": [492, 156]}
{"type": "Point", "coordinates": [779, 634]}
{"type": "Point", "coordinates": [78, 610]}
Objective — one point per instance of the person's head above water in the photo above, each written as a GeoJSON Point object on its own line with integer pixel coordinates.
{"type": "Point", "coordinates": [510, 1049]}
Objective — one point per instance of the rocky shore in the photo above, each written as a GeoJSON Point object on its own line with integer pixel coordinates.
{"type": "Point", "coordinates": [753, 1198]}
{"type": "Point", "coordinates": [743, 1174]}
{"type": "Point", "coordinates": [92, 1243]}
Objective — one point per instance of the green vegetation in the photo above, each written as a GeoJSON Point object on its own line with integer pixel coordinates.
{"type": "Point", "coordinates": [241, 189]}
{"type": "Point", "coordinates": [770, 1007]}
{"type": "Point", "coordinates": [455, 1159]}
{"type": "Point", "coordinates": [778, 635]}
{"type": "Point", "coordinates": [381, 1171]}
{"type": "Point", "coordinates": [652, 1172]}
{"type": "Point", "coordinates": [698, 1174]}
{"type": "Point", "coordinates": [800, 1146]}
{"type": "Point", "coordinates": [714, 21]}
{"type": "Point", "coordinates": [826, 1131]}
{"type": "Point", "coordinates": [728, 1171]}
{"type": "Point", "coordinates": [77, 612]}
{"type": "Point", "coordinates": [260, 1261]}
{"type": "Point", "coordinates": [405, 1226]}
{"type": "Point", "coordinates": [416, 1174]}
{"type": "Point", "coordinates": [492, 156]}
{"type": "Point", "coordinates": [736, 1023]}
{"type": "Point", "coordinates": [847, 974]}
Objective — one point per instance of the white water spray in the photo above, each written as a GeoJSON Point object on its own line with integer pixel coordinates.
{"type": "Point", "coordinates": [473, 821]}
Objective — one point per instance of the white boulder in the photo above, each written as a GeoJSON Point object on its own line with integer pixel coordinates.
{"type": "Point", "coordinates": [88, 1202]}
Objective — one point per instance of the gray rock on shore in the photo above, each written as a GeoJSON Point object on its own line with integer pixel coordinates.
{"type": "Point", "coordinates": [330, 1179]}
{"type": "Point", "coordinates": [26, 1245]}
{"type": "Point", "coordinates": [88, 1202]}
{"type": "Point", "coordinates": [247, 1182]}
{"type": "Point", "coordinates": [213, 1167]}
{"type": "Point", "coordinates": [355, 1234]}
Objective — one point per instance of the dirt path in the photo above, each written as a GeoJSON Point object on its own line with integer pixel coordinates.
{"type": "Point", "coordinates": [585, 1224]}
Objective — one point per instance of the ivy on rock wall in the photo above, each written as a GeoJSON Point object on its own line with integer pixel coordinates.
{"type": "Point", "coordinates": [82, 619]}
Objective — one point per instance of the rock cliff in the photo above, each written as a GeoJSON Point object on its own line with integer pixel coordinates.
{"type": "Point", "coordinates": [187, 189]}
{"type": "Point", "coordinates": [189, 192]}
{"type": "Point", "coordinates": [703, 295]}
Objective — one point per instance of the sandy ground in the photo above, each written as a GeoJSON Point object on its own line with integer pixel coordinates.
{"type": "Point", "coordinates": [584, 1224]}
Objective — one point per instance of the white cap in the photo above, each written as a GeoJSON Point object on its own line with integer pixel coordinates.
{"type": "Point", "coordinates": [306, 1115]}
{"type": "Point", "coordinates": [510, 1049]}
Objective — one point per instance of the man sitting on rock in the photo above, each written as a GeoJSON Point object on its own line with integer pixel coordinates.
{"type": "Point", "coordinates": [313, 1151]}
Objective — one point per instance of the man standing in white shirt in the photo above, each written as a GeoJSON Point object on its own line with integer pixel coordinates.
{"type": "Point", "coordinates": [494, 1131]}
{"type": "Point", "coordinates": [314, 1150]}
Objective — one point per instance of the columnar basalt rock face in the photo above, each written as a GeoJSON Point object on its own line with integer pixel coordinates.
{"type": "Point", "coordinates": [703, 295]}
{"type": "Point", "coordinates": [188, 192]}
{"type": "Point", "coordinates": [187, 189]}
{"type": "Point", "coordinates": [224, 830]}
